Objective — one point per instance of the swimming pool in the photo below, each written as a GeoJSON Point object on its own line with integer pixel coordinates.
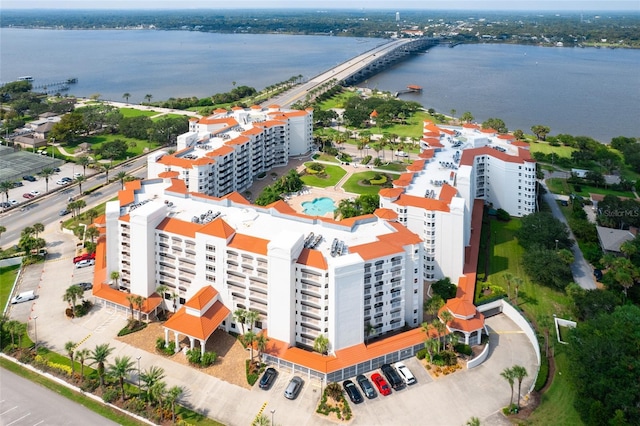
{"type": "Point", "coordinates": [319, 206]}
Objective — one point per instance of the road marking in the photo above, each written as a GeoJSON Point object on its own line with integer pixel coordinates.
{"type": "Point", "coordinates": [509, 332]}
{"type": "Point", "coordinates": [17, 420]}
{"type": "Point", "coordinates": [5, 412]}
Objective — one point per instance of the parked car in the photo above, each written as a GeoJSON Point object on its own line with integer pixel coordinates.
{"type": "Point", "coordinates": [352, 390]}
{"type": "Point", "coordinates": [56, 169]}
{"type": "Point", "coordinates": [34, 193]}
{"type": "Point", "coordinates": [17, 184]}
{"type": "Point", "coordinates": [63, 212]}
{"type": "Point", "coordinates": [29, 178]}
{"type": "Point", "coordinates": [381, 384]}
{"type": "Point", "coordinates": [67, 179]}
{"type": "Point", "coordinates": [405, 373]}
{"type": "Point", "coordinates": [392, 377]}
{"type": "Point", "coordinates": [63, 182]}
{"type": "Point", "coordinates": [293, 388]}
{"type": "Point", "coordinates": [85, 286]}
{"type": "Point", "coordinates": [5, 205]}
{"type": "Point", "coordinates": [28, 195]}
{"type": "Point", "coordinates": [25, 296]}
{"type": "Point", "coordinates": [84, 256]}
{"type": "Point", "coordinates": [13, 202]}
{"type": "Point", "coordinates": [77, 174]}
{"type": "Point", "coordinates": [268, 378]}
{"type": "Point", "coordinates": [367, 387]}
{"type": "Point", "coordinates": [84, 263]}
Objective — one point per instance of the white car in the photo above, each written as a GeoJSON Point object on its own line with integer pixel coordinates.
{"type": "Point", "coordinates": [34, 193]}
{"type": "Point", "coordinates": [77, 174]}
{"type": "Point", "coordinates": [62, 182]}
{"type": "Point", "coordinates": [404, 372]}
{"type": "Point", "coordinates": [85, 263]}
{"type": "Point", "coordinates": [13, 202]}
{"type": "Point", "coordinates": [23, 297]}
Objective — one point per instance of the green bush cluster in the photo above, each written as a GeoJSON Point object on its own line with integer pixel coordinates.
{"type": "Point", "coordinates": [378, 179]}
{"type": "Point", "coordinates": [110, 395]}
{"type": "Point", "coordinates": [543, 374]}
{"type": "Point", "coordinates": [132, 327]}
{"type": "Point", "coordinates": [377, 162]}
{"type": "Point", "coordinates": [461, 348]}
{"type": "Point", "coordinates": [325, 409]}
{"type": "Point", "coordinates": [195, 357]}
{"type": "Point", "coordinates": [253, 371]}
{"type": "Point", "coordinates": [422, 353]}
{"type": "Point", "coordinates": [445, 358]}
{"type": "Point", "coordinates": [169, 349]}
{"type": "Point", "coordinates": [366, 160]}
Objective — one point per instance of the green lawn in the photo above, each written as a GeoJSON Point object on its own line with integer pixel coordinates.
{"type": "Point", "coordinates": [338, 100]}
{"type": "Point", "coordinates": [7, 277]}
{"type": "Point", "coordinates": [136, 146]}
{"type": "Point", "coordinates": [556, 406]}
{"type": "Point", "coordinates": [545, 148]}
{"type": "Point", "coordinates": [325, 157]}
{"type": "Point", "coordinates": [560, 186]}
{"type": "Point", "coordinates": [333, 175]}
{"type": "Point", "coordinates": [133, 112]}
{"type": "Point", "coordinates": [393, 167]}
{"type": "Point", "coordinates": [538, 303]}
{"type": "Point", "coordinates": [353, 184]}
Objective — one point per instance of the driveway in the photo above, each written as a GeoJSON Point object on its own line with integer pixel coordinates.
{"type": "Point", "coordinates": [580, 268]}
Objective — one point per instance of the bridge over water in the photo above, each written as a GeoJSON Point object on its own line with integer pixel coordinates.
{"type": "Point", "coordinates": [357, 69]}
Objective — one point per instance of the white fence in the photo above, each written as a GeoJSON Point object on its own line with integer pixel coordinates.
{"type": "Point", "coordinates": [480, 358]}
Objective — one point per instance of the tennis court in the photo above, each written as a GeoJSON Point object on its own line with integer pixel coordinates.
{"type": "Point", "coordinates": [15, 164]}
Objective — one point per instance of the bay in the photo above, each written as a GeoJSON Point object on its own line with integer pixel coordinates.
{"type": "Point", "coordinates": [592, 92]}
{"type": "Point", "coordinates": [588, 92]}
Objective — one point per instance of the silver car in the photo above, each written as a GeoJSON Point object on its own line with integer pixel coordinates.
{"type": "Point", "coordinates": [293, 388]}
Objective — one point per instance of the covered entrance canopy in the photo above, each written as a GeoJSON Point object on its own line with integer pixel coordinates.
{"type": "Point", "coordinates": [197, 319]}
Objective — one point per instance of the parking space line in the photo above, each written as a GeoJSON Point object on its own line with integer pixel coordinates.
{"type": "Point", "coordinates": [5, 412]}
{"type": "Point", "coordinates": [17, 420]}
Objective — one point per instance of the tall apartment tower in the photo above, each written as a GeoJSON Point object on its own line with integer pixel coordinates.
{"type": "Point", "coordinates": [397, 16]}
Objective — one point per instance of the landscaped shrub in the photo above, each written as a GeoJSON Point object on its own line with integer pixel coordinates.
{"type": "Point", "coordinates": [132, 327]}
{"type": "Point", "coordinates": [160, 343]}
{"type": "Point", "coordinates": [253, 372]}
{"type": "Point", "coordinates": [503, 215]}
{"type": "Point", "coordinates": [366, 160]}
{"type": "Point", "coordinates": [110, 395]}
{"type": "Point", "coordinates": [170, 349]}
{"type": "Point", "coordinates": [378, 179]}
{"type": "Point", "coordinates": [315, 168]}
{"type": "Point", "coordinates": [208, 358]}
{"type": "Point", "coordinates": [543, 374]}
{"type": "Point", "coordinates": [461, 348]}
{"type": "Point", "coordinates": [422, 353]}
{"type": "Point", "coordinates": [445, 358]}
{"type": "Point", "coordinates": [194, 356]}
{"type": "Point", "coordinates": [377, 162]}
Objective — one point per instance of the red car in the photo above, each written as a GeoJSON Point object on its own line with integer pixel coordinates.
{"type": "Point", "coordinates": [85, 256]}
{"type": "Point", "coordinates": [27, 195]}
{"type": "Point", "coordinates": [381, 384]}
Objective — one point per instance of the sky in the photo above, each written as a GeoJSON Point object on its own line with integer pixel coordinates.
{"type": "Point", "coordinates": [577, 5]}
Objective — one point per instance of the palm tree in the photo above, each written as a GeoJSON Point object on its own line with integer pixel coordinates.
{"type": "Point", "coordinates": [106, 167]}
{"type": "Point", "coordinates": [5, 186]}
{"type": "Point", "coordinates": [473, 421]}
{"type": "Point", "coordinates": [121, 177]}
{"type": "Point", "coordinates": [99, 356]}
{"type": "Point", "coordinates": [38, 228]}
{"type": "Point", "coordinates": [82, 356]}
{"type": "Point", "coordinates": [431, 345]}
{"type": "Point", "coordinates": [126, 96]}
{"type": "Point", "coordinates": [261, 420]}
{"type": "Point", "coordinates": [446, 316]}
{"type": "Point", "coordinates": [240, 316]}
{"type": "Point", "coordinates": [261, 343]}
{"type": "Point", "coordinates": [519, 372]}
{"type": "Point", "coordinates": [70, 348]}
{"type": "Point", "coordinates": [132, 301]}
{"type": "Point", "coordinates": [11, 327]}
{"type": "Point", "coordinates": [121, 369]}
{"type": "Point", "coordinates": [173, 395]}
{"type": "Point", "coordinates": [92, 232]}
{"type": "Point", "coordinates": [248, 338]}
{"type": "Point", "coordinates": [84, 162]}
{"type": "Point", "coordinates": [334, 391]}
{"type": "Point", "coordinates": [72, 294]}
{"type": "Point", "coordinates": [250, 318]}
{"type": "Point", "coordinates": [158, 391]}
{"type": "Point", "coordinates": [509, 376]}
{"type": "Point", "coordinates": [45, 173]}
{"type": "Point", "coordinates": [115, 276]}
{"type": "Point", "coordinates": [91, 214]}
{"type": "Point", "coordinates": [80, 179]}
{"type": "Point", "coordinates": [440, 329]}
{"type": "Point", "coordinates": [139, 301]}
{"type": "Point", "coordinates": [148, 97]}
{"type": "Point", "coordinates": [321, 344]}
{"type": "Point", "coordinates": [150, 378]}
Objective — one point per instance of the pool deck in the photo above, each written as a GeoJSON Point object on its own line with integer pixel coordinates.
{"type": "Point", "coordinates": [308, 193]}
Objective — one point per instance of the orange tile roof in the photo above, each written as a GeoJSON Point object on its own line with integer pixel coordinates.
{"type": "Point", "coordinates": [386, 214]}
{"type": "Point", "coordinates": [522, 144]}
{"type": "Point", "coordinates": [249, 243]}
{"type": "Point", "coordinates": [169, 174]}
{"type": "Point", "coordinates": [403, 235]}
{"type": "Point", "coordinates": [222, 151]}
{"type": "Point", "coordinates": [281, 206]}
{"type": "Point", "coordinates": [470, 325]}
{"type": "Point", "coordinates": [236, 197]}
{"type": "Point", "coordinates": [506, 136]}
{"type": "Point", "coordinates": [173, 160]}
{"type": "Point", "coordinates": [126, 197]}
{"type": "Point", "coordinates": [390, 192]}
{"type": "Point", "coordinates": [238, 140]}
{"type": "Point", "coordinates": [256, 107]}
{"type": "Point", "coordinates": [447, 193]}
{"type": "Point", "coordinates": [313, 258]}
{"type": "Point", "coordinates": [178, 186]}
{"type": "Point", "coordinates": [100, 220]}
{"type": "Point", "coordinates": [468, 155]}
{"type": "Point", "coordinates": [375, 250]}
{"type": "Point", "coordinates": [296, 113]}
{"type": "Point", "coordinates": [220, 111]}
{"type": "Point", "coordinates": [270, 123]}
{"type": "Point", "coordinates": [198, 327]}
{"type": "Point", "coordinates": [460, 307]}
{"type": "Point", "coordinates": [432, 142]}
{"type": "Point", "coordinates": [252, 131]}
{"type": "Point", "coordinates": [179, 227]}
{"type": "Point", "coordinates": [227, 121]}
{"type": "Point", "coordinates": [202, 298]}
{"type": "Point", "coordinates": [448, 131]}
{"type": "Point", "coordinates": [374, 113]}
{"type": "Point", "coordinates": [274, 106]}
{"type": "Point", "coordinates": [424, 203]}
{"type": "Point", "coordinates": [488, 130]}
{"type": "Point", "coordinates": [470, 126]}
{"type": "Point", "coordinates": [237, 108]}
{"type": "Point", "coordinates": [218, 228]}
{"type": "Point", "coordinates": [416, 166]}
{"type": "Point", "coordinates": [404, 180]}
{"type": "Point", "coordinates": [427, 154]}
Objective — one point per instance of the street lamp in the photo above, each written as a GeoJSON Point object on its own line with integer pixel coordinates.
{"type": "Point", "coordinates": [35, 327]}
{"type": "Point", "coordinates": [138, 358]}
{"type": "Point", "coordinates": [272, 413]}
{"type": "Point", "coordinates": [556, 245]}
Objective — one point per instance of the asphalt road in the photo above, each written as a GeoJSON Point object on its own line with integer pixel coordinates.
{"type": "Point", "coordinates": [25, 403]}
{"type": "Point", "coordinates": [45, 209]}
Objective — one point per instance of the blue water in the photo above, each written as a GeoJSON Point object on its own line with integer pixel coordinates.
{"type": "Point", "coordinates": [319, 206]}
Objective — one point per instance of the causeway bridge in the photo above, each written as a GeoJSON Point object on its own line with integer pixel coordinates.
{"type": "Point", "coordinates": [357, 69]}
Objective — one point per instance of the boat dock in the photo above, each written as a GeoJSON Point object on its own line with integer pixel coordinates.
{"type": "Point", "coordinates": [412, 88]}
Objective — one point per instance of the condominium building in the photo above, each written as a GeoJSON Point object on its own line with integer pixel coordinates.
{"type": "Point", "coordinates": [309, 276]}
{"type": "Point", "coordinates": [228, 150]}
